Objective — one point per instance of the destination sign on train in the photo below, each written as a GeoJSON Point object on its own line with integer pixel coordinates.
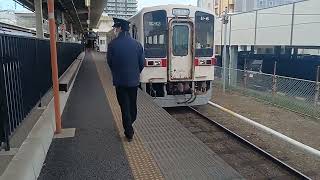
{"type": "Point", "coordinates": [180, 12]}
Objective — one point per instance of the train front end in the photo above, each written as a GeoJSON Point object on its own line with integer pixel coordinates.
{"type": "Point", "coordinates": [179, 51]}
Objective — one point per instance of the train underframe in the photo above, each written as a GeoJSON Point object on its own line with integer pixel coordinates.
{"type": "Point", "coordinates": [186, 93]}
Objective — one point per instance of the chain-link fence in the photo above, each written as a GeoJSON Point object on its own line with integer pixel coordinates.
{"type": "Point", "coordinates": [295, 94]}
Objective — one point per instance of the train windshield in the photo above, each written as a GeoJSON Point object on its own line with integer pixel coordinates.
{"type": "Point", "coordinates": [155, 34]}
{"type": "Point", "coordinates": [204, 23]}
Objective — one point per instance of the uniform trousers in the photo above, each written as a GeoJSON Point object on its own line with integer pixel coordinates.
{"type": "Point", "coordinates": [127, 99]}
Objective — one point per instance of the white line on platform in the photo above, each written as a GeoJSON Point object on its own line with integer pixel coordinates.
{"type": "Point", "coordinates": [270, 131]}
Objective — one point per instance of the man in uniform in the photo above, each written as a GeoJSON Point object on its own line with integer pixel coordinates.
{"type": "Point", "coordinates": [125, 58]}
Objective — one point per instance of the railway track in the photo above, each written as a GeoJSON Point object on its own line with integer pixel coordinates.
{"type": "Point", "coordinates": [249, 160]}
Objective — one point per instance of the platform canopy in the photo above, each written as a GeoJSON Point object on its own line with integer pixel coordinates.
{"type": "Point", "coordinates": [76, 11]}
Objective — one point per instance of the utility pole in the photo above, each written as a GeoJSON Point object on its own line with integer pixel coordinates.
{"type": "Point", "coordinates": [225, 20]}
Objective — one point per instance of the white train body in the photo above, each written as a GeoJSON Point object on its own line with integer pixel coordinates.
{"type": "Point", "coordinates": [178, 42]}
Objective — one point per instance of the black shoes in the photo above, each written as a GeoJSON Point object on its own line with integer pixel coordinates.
{"type": "Point", "coordinates": [129, 138]}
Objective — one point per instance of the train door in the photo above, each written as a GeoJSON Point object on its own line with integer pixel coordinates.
{"type": "Point", "coordinates": [180, 54]}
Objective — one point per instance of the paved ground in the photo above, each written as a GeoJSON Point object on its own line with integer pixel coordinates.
{"type": "Point", "coordinates": [96, 151]}
{"type": "Point", "coordinates": [162, 148]}
{"type": "Point", "coordinates": [175, 151]}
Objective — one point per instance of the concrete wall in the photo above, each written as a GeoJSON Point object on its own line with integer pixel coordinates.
{"type": "Point", "coordinates": [306, 27]}
{"type": "Point", "coordinates": [243, 31]}
{"type": "Point", "coordinates": [270, 3]}
{"type": "Point", "coordinates": [275, 26]}
{"type": "Point", "coordinates": [28, 20]}
{"type": "Point", "coordinates": [8, 17]}
{"type": "Point", "coordinates": [206, 4]}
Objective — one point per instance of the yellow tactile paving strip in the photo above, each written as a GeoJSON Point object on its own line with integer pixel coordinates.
{"type": "Point", "coordinates": [140, 159]}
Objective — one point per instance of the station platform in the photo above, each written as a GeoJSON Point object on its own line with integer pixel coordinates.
{"type": "Point", "coordinates": [161, 149]}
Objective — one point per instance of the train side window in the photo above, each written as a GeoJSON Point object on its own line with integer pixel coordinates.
{"type": "Point", "coordinates": [134, 32]}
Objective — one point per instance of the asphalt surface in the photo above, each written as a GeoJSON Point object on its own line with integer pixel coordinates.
{"type": "Point", "coordinates": [96, 151]}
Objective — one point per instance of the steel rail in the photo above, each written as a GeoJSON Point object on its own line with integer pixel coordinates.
{"type": "Point", "coordinates": [254, 147]}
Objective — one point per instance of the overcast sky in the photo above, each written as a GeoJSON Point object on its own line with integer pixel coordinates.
{"type": "Point", "coordinates": [9, 4]}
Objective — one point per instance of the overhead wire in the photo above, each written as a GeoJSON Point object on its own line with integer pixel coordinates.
{"type": "Point", "coordinates": [290, 14]}
{"type": "Point", "coordinates": [284, 25]}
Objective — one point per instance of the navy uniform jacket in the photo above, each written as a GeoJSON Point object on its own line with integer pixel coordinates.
{"type": "Point", "coordinates": [125, 58]}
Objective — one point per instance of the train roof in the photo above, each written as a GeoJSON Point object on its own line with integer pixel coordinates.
{"type": "Point", "coordinates": [169, 7]}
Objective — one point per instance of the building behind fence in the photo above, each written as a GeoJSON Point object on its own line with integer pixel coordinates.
{"type": "Point", "coordinates": [294, 94]}
{"type": "Point", "coordinates": [25, 76]}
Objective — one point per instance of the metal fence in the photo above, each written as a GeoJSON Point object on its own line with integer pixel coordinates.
{"type": "Point", "coordinates": [25, 76]}
{"type": "Point", "coordinates": [294, 94]}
